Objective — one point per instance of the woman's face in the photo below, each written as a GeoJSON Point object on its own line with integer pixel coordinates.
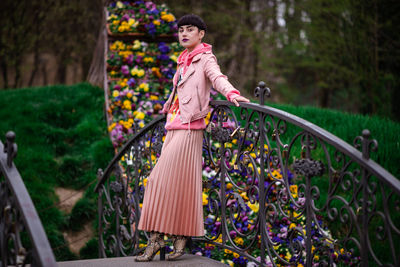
{"type": "Point", "coordinates": [190, 36]}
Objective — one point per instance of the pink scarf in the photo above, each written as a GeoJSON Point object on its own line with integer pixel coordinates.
{"type": "Point", "coordinates": [186, 58]}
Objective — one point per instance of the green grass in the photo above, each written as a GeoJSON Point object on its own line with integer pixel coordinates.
{"type": "Point", "coordinates": [62, 141]}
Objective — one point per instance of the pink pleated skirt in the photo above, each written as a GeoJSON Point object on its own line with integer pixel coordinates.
{"type": "Point", "coordinates": [172, 202]}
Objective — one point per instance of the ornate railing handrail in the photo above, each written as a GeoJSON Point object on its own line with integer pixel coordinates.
{"type": "Point", "coordinates": [339, 143]}
{"type": "Point", "coordinates": [124, 149]}
{"type": "Point", "coordinates": [42, 252]}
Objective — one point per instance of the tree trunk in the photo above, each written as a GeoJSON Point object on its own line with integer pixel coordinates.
{"type": "Point", "coordinates": [62, 68]}
{"type": "Point", "coordinates": [5, 74]}
{"type": "Point", "coordinates": [35, 69]}
{"type": "Point", "coordinates": [44, 72]}
{"type": "Point", "coordinates": [96, 71]}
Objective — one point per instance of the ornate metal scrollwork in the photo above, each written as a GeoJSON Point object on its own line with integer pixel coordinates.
{"type": "Point", "coordinates": [259, 199]}
{"type": "Point", "coordinates": [22, 237]}
{"type": "Point", "coordinates": [308, 167]}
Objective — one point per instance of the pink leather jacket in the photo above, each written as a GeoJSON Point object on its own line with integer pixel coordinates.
{"type": "Point", "coordinates": [194, 88]}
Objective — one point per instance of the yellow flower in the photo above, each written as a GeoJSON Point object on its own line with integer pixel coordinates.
{"type": "Point", "coordinates": [205, 199]}
{"type": "Point", "coordinates": [230, 263]}
{"type": "Point", "coordinates": [254, 207]}
{"type": "Point", "coordinates": [148, 59]}
{"type": "Point", "coordinates": [156, 71]}
{"type": "Point", "coordinates": [113, 16]}
{"type": "Point", "coordinates": [229, 186]}
{"type": "Point", "coordinates": [115, 93]}
{"type": "Point", "coordinates": [115, 22]}
{"type": "Point", "coordinates": [140, 73]}
{"type": "Point", "coordinates": [129, 95]}
{"type": "Point", "coordinates": [239, 240]}
{"type": "Point", "coordinates": [173, 58]}
{"type": "Point", "coordinates": [113, 46]}
{"type": "Point", "coordinates": [120, 4]}
{"type": "Point", "coordinates": [156, 22]}
{"type": "Point", "coordinates": [140, 116]}
{"type": "Point", "coordinates": [227, 251]}
{"type": "Point", "coordinates": [144, 86]}
{"type": "Point", "coordinates": [123, 84]}
{"type": "Point", "coordinates": [136, 44]}
{"type": "Point", "coordinates": [127, 104]}
{"type": "Point", "coordinates": [141, 124]}
{"type": "Point", "coordinates": [145, 182]}
{"type": "Point", "coordinates": [316, 257]}
{"type": "Point", "coordinates": [293, 190]}
{"type": "Point", "coordinates": [244, 196]}
{"type": "Point", "coordinates": [292, 225]}
{"type": "Point", "coordinates": [168, 17]}
{"type": "Point", "coordinates": [153, 97]}
{"type": "Point", "coordinates": [235, 255]}
{"type": "Point", "coordinates": [131, 22]}
{"type": "Point", "coordinates": [277, 174]}
{"type": "Point", "coordinates": [111, 127]}
{"type": "Point", "coordinates": [134, 71]}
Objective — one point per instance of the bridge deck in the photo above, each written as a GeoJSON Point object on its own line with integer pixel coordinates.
{"type": "Point", "coordinates": [185, 260]}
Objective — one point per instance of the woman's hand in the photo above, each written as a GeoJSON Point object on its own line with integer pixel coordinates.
{"type": "Point", "coordinates": [238, 99]}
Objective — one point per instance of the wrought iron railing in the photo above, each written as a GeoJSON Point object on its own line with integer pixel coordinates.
{"type": "Point", "coordinates": [277, 190]}
{"type": "Point", "coordinates": [22, 237]}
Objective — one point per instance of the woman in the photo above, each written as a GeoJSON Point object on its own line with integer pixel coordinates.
{"type": "Point", "coordinates": [172, 201]}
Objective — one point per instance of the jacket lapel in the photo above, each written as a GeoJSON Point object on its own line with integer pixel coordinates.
{"type": "Point", "coordinates": [191, 69]}
{"type": "Point", "coordinates": [188, 73]}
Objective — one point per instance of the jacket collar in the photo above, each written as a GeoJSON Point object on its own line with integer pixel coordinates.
{"type": "Point", "coordinates": [186, 58]}
{"type": "Point", "coordinates": [195, 55]}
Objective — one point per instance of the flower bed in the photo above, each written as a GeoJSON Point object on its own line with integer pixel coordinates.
{"type": "Point", "coordinates": [139, 78]}
{"type": "Point", "coordinates": [140, 17]}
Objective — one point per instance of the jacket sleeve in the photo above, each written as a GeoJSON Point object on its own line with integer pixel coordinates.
{"type": "Point", "coordinates": [218, 80]}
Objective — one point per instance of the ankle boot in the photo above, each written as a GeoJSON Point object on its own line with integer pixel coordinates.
{"type": "Point", "coordinates": [179, 243]}
{"type": "Point", "coordinates": [155, 243]}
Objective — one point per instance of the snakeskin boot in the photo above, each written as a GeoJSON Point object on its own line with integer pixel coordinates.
{"type": "Point", "coordinates": [155, 243]}
{"type": "Point", "coordinates": [179, 247]}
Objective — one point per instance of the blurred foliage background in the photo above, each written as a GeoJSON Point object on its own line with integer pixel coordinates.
{"type": "Point", "coordinates": [341, 54]}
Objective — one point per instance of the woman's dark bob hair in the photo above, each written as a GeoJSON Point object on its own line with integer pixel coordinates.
{"type": "Point", "coordinates": [194, 20]}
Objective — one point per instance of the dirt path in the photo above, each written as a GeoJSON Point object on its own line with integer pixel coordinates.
{"type": "Point", "coordinates": [76, 240]}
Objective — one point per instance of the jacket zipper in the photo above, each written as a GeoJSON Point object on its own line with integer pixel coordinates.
{"type": "Point", "coordinates": [198, 97]}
